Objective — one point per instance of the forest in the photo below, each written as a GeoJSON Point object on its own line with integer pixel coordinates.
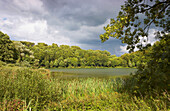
{"type": "Point", "coordinates": [24, 53]}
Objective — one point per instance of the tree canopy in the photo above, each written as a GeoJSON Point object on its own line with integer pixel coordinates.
{"type": "Point", "coordinates": [24, 53]}
{"type": "Point", "coordinates": [133, 23]}
{"type": "Point", "coordinates": [7, 49]}
{"type": "Point", "coordinates": [135, 19]}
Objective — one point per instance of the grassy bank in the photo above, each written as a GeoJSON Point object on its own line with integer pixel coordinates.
{"type": "Point", "coordinates": [88, 67]}
{"type": "Point", "coordinates": [36, 89]}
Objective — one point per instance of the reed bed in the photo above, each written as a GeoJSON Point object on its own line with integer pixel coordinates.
{"type": "Point", "coordinates": [35, 89]}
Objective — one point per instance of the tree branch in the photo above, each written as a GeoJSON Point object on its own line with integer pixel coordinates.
{"type": "Point", "coordinates": [155, 17]}
{"type": "Point", "coordinates": [154, 6]}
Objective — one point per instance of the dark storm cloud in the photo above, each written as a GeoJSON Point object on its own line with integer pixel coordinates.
{"type": "Point", "coordinates": [84, 12]}
{"type": "Point", "coordinates": [113, 45]}
{"type": "Point", "coordinates": [71, 22]}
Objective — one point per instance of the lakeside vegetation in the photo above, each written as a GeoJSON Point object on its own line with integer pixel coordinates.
{"type": "Point", "coordinates": [25, 84]}
{"type": "Point", "coordinates": [92, 72]}
{"type": "Point", "coordinates": [25, 87]}
{"type": "Point", "coordinates": [36, 89]}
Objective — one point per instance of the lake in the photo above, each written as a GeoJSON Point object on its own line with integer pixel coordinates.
{"type": "Point", "coordinates": [92, 72]}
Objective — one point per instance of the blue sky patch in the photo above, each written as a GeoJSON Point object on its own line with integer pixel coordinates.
{"type": "Point", "coordinates": [5, 18]}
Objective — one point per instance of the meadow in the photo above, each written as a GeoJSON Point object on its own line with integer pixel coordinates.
{"type": "Point", "coordinates": [38, 89]}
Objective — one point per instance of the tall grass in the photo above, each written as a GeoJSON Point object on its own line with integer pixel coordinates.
{"type": "Point", "coordinates": [30, 89]}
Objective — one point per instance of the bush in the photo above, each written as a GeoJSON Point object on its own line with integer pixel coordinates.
{"type": "Point", "coordinates": [28, 85]}
{"type": "Point", "coordinates": [25, 64]}
{"type": "Point", "coordinates": [28, 89]}
{"type": "Point", "coordinates": [17, 64]}
{"type": "Point", "coordinates": [11, 65]}
{"type": "Point", "coordinates": [154, 76]}
{"type": "Point", "coordinates": [2, 63]}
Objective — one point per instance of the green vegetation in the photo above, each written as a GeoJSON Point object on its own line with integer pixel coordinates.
{"type": "Point", "coordinates": [36, 89]}
{"type": "Point", "coordinates": [132, 29]}
{"type": "Point", "coordinates": [7, 48]}
{"type": "Point", "coordinates": [22, 53]}
{"type": "Point", "coordinates": [25, 87]}
{"type": "Point", "coordinates": [135, 19]}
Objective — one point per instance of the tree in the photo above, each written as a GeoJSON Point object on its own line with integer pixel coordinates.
{"type": "Point", "coordinates": [42, 45]}
{"type": "Point", "coordinates": [156, 75]}
{"type": "Point", "coordinates": [28, 44]}
{"type": "Point", "coordinates": [56, 63]}
{"type": "Point", "coordinates": [23, 53]}
{"type": "Point", "coordinates": [36, 63]}
{"type": "Point", "coordinates": [54, 45]}
{"type": "Point", "coordinates": [116, 61]}
{"type": "Point", "coordinates": [128, 27]}
{"type": "Point", "coordinates": [7, 49]}
{"type": "Point", "coordinates": [74, 61]}
{"type": "Point", "coordinates": [47, 64]}
{"type": "Point", "coordinates": [51, 64]}
{"type": "Point", "coordinates": [62, 64]}
{"type": "Point", "coordinates": [126, 58]}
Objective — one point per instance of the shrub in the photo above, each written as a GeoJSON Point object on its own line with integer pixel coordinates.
{"type": "Point", "coordinates": [2, 63]}
{"type": "Point", "coordinates": [34, 89]}
{"type": "Point", "coordinates": [28, 85]}
{"type": "Point", "coordinates": [11, 65]}
{"type": "Point", "coordinates": [25, 64]}
{"type": "Point", "coordinates": [154, 76]}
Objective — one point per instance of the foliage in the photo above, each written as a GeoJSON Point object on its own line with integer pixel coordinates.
{"type": "Point", "coordinates": [7, 50]}
{"type": "Point", "coordinates": [66, 56]}
{"type": "Point", "coordinates": [28, 89]}
{"type": "Point", "coordinates": [152, 62]}
{"type": "Point", "coordinates": [14, 51]}
{"type": "Point", "coordinates": [129, 27]}
{"type": "Point", "coordinates": [2, 63]}
{"type": "Point", "coordinates": [53, 56]}
{"type": "Point", "coordinates": [23, 53]}
{"type": "Point", "coordinates": [28, 44]}
{"type": "Point", "coordinates": [156, 77]}
{"type": "Point", "coordinates": [27, 85]}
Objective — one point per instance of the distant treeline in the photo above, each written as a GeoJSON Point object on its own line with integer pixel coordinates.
{"type": "Point", "coordinates": [23, 53]}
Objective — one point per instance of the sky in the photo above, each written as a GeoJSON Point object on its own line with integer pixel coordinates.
{"type": "Point", "coordinates": [64, 22]}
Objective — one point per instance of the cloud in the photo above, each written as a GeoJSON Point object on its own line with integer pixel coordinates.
{"type": "Point", "coordinates": [31, 30]}
{"type": "Point", "coordinates": [151, 39]}
{"type": "Point", "coordinates": [88, 12]}
{"type": "Point", "coordinates": [29, 5]}
{"type": "Point", "coordinates": [123, 49]}
{"type": "Point", "coordinates": [71, 22]}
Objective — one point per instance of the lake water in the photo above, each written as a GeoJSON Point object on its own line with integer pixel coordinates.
{"type": "Point", "coordinates": [92, 72]}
